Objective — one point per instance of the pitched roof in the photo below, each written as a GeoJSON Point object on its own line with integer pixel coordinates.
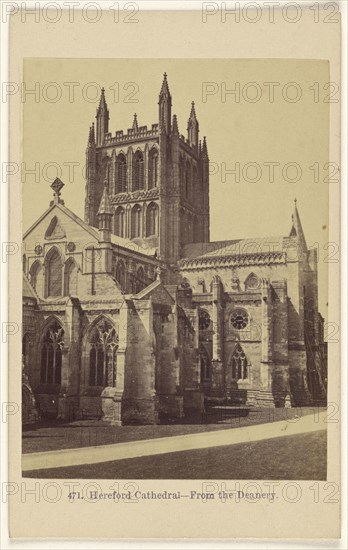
{"type": "Point", "coordinates": [233, 248]}
{"type": "Point", "coordinates": [131, 245]}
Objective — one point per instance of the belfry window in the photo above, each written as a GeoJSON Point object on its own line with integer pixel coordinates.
{"type": "Point", "coordinates": [138, 171]}
{"type": "Point", "coordinates": [51, 355]}
{"type": "Point", "coordinates": [102, 356]}
{"type": "Point", "coordinates": [153, 169]}
{"type": "Point", "coordinates": [121, 174]}
{"type": "Point", "coordinates": [239, 364]}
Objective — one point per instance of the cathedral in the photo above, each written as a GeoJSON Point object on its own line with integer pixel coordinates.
{"type": "Point", "coordinates": [132, 315]}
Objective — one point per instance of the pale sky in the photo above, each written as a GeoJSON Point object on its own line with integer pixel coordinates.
{"type": "Point", "coordinates": [239, 131]}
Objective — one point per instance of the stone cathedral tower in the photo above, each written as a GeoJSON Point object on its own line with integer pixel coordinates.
{"type": "Point", "coordinates": [157, 180]}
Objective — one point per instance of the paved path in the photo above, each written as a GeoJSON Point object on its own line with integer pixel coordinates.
{"type": "Point", "coordinates": [188, 442]}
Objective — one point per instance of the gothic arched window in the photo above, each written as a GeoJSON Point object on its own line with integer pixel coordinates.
{"type": "Point", "coordinates": [120, 275]}
{"type": "Point", "coordinates": [153, 168]}
{"type": "Point", "coordinates": [152, 220]}
{"type": "Point", "coordinates": [36, 277]}
{"type": "Point", "coordinates": [121, 174]}
{"type": "Point", "coordinates": [70, 278]}
{"type": "Point", "coordinates": [119, 222]}
{"type": "Point", "coordinates": [138, 171]}
{"type": "Point", "coordinates": [54, 273]}
{"type": "Point", "coordinates": [136, 222]}
{"type": "Point", "coordinates": [51, 354]}
{"type": "Point", "coordinates": [103, 344]}
{"type": "Point", "coordinates": [239, 364]}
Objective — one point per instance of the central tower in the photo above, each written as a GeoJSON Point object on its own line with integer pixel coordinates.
{"type": "Point", "coordinates": [157, 179]}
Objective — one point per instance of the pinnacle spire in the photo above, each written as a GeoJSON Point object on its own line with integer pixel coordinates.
{"type": "Point", "coordinates": [165, 107]}
{"type": "Point", "coordinates": [193, 112]}
{"type": "Point", "coordinates": [175, 128]}
{"type": "Point", "coordinates": [91, 136]}
{"type": "Point", "coordinates": [296, 228]}
{"type": "Point", "coordinates": [105, 207]}
{"type": "Point", "coordinates": [165, 87]}
{"type": "Point", "coordinates": [102, 119]}
{"type": "Point", "coordinates": [102, 101]}
{"type": "Point", "coordinates": [135, 123]}
{"type": "Point", "coordinates": [205, 149]}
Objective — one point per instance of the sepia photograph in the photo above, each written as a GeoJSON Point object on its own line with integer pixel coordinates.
{"type": "Point", "coordinates": [175, 268]}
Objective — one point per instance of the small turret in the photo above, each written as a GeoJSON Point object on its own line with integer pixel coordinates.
{"type": "Point", "coordinates": [102, 119]}
{"type": "Point", "coordinates": [165, 106]}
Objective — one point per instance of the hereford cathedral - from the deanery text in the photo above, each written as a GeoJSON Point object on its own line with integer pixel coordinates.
{"type": "Point", "coordinates": [132, 315]}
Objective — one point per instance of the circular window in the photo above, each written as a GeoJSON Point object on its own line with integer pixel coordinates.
{"type": "Point", "coordinates": [239, 319]}
{"type": "Point", "coordinates": [204, 319]}
{"type": "Point", "coordinates": [253, 282]}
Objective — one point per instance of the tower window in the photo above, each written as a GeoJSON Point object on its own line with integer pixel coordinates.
{"type": "Point", "coordinates": [136, 222]}
{"type": "Point", "coordinates": [119, 222]}
{"type": "Point", "coordinates": [153, 168]}
{"type": "Point", "coordinates": [152, 220]}
{"type": "Point", "coordinates": [121, 174]}
{"type": "Point", "coordinates": [138, 171]}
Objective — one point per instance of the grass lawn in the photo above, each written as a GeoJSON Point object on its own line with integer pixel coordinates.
{"type": "Point", "coordinates": [86, 433]}
{"type": "Point", "coordinates": [301, 457]}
